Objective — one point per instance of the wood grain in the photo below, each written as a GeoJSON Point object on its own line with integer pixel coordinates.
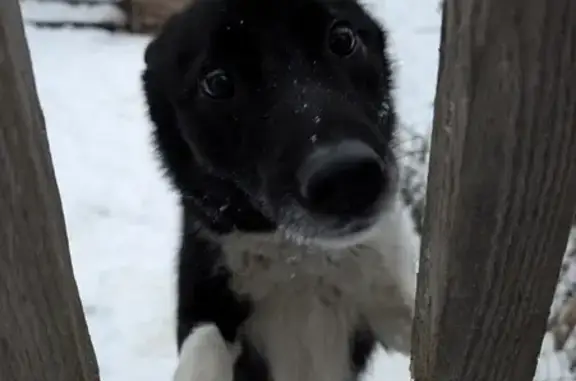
{"type": "Point", "coordinates": [43, 332]}
{"type": "Point", "coordinates": [501, 188]}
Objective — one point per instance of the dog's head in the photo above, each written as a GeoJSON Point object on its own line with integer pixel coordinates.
{"type": "Point", "coordinates": [276, 115]}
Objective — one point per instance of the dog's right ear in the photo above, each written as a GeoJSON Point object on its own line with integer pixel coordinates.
{"type": "Point", "coordinates": [162, 45]}
{"type": "Point", "coordinates": [185, 35]}
{"type": "Point", "coordinates": [151, 52]}
{"type": "Point", "coordinates": [158, 78]}
{"type": "Point", "coordinates": [167, 57]}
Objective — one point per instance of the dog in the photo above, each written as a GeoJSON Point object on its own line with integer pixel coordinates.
{"type": "Point", "coordinates": [276, 124]}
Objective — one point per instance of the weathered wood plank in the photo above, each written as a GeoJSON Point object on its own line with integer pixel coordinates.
{"type": "Point", "coordinates": [501, 188]}
{"type": "Point", "coordinates": [43, 333]}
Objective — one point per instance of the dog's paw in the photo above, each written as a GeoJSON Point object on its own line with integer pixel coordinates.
{"type": "Point", "coordinates": [205, 356]}
{"type": "Point", "coordinates": [393, 328]}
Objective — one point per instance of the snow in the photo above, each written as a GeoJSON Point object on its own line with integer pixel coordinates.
{"type": "Point", "coordinates": [121, 216]}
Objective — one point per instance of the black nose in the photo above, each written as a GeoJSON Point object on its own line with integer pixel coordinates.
{"type": "Point", "coordinates": [346, 180]}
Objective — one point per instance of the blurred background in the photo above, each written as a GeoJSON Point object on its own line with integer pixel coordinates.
{"type": "Point", "coordinates": [121, 215]}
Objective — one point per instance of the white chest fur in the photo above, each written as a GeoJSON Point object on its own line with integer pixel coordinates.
{"type": "Point", "coordinates": [308, 300]}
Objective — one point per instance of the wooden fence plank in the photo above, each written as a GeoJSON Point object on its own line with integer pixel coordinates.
{"type": "Point", "coordinates": [43, 332]}
{"type": "Point", "coordinates": [501, 188]}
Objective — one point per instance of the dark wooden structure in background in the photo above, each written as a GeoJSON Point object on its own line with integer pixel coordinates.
{"type": "Point", "coordinates": [137, 16]}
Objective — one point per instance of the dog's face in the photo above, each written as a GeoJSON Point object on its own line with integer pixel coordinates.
{"type": "Point", "coordinates": [277, 112]}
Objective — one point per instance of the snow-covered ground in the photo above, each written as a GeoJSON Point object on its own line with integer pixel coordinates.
{"type": "Point", "coordinates": [121, 216]}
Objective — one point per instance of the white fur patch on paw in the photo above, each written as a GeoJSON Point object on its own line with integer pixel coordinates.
{"type": "Point", "coordinates": [205, 356]}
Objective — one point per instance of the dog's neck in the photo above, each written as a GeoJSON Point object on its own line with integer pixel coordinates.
{"type": "Point", "coordinates": [262, 260]}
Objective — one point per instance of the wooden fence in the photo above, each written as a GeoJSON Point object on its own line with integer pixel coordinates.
{"type": "Point", "coordinates": [501, 198]}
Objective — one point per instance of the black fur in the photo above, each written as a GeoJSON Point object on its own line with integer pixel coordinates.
{"type": "Point", "coordinates": [233, 161]}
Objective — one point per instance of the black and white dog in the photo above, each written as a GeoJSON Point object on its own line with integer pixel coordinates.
{"type": "Point", "coordinates": [276, 124]}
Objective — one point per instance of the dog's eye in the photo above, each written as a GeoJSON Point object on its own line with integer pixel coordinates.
{"type": "Point", "coordinates": [217, 84]}
{"type": "Point", "coordinates": [342, 39]}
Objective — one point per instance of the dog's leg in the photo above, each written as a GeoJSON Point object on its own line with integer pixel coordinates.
{"type": "Point", "coordinates": [204, 294]}
{"type": "Point", "coordinates": [391, 322]}
{"type": "Point", "coordinates": [391, 312]}
{"type": "Point", "coordinates": [205, 356]}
